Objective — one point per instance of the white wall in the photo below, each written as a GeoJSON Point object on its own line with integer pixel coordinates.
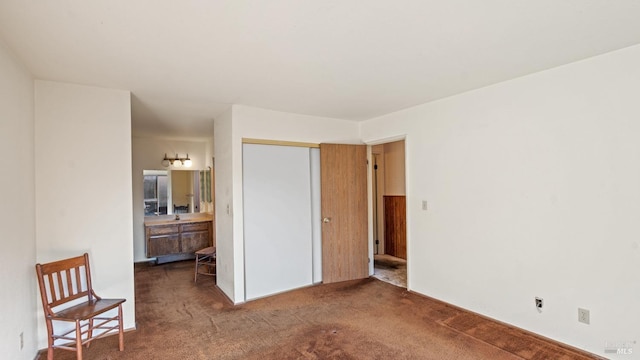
{"type": "Point", "coordinates": [83, 185]}
{"type": "Point", "coordinates": [147, 154]}
{"type": "Point", "coordinates": [224, 198]}
{"type": "Point", "coordinates": [534, 190]}
{"type": "Point", "coordinates": [249, 122]}
{"type": "Point", "coordinates": [394, 172]}
{"type": "Point", "coordinates": [18, 298]}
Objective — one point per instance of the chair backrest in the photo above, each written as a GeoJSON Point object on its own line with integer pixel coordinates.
{"type": "Point", "coordinates": [180, 209]}
{"type": "Point", "coordinates": [63, 281]}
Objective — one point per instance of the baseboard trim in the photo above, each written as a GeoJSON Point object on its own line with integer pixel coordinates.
{"type": "Point", "coordinates": [567, 347]}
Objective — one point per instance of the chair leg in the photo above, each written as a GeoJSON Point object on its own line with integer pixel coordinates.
{"type": "Point", "coordinates": [120, 328]}
{"type": "Point", "coordinates": [49, 340]}
{"type": "Point", "coordinates": [195, 279]}
{"type": "Point", "coordinates": [90, 332]}
{"type": "Point", "coordinates": [78, 341]}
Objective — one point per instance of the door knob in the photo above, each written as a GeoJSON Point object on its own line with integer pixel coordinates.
{"type": "Point", "coordinates": [326, 220]}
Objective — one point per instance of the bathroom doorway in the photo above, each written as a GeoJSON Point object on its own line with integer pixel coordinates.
{"type": "Point", "coordinates": [389, 212]}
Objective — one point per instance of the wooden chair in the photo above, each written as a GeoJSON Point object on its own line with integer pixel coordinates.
{"type": "Point", "coordinates": [63, 286]}
{"type": "Point", "coordinates": [205, 262]}
{"type": "Point", "coordinates": [180, 209]}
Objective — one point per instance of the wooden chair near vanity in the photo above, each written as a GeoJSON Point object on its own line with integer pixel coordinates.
{"type": "Point", "coordinates": [205, 262]}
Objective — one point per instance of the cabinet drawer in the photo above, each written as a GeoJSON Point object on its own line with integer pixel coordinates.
{"type": "Point", "coordinates": [163, 245]}
{"type": "Point", "coordinates": [162, 229]}
{"type": "Point", "coordinates": [194, 241]}
{"type": "Point", "coordinates": [198, 226]}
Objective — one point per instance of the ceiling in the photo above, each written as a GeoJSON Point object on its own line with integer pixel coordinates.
{"type": "Point", "coordinates": [186, 62]}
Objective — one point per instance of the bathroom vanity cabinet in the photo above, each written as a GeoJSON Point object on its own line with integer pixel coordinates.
{"type": "Point", "coordinates": [173, 240]}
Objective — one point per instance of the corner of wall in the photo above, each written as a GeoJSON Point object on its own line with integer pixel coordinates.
{"type": "Point", "coordinates": [17, 187]}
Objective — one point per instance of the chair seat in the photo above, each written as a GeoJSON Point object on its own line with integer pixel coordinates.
{"type": "Point", "coordinates": [207, 251]}
{"type": "Point", "coordinates": [87, 309]}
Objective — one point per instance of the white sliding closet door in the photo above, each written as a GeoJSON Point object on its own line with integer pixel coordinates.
{"type": "Point", "coordinates": [316, 215]}
{"type": "Point", "coordinates": [278, 241]}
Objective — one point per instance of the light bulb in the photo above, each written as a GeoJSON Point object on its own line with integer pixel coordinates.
{"type": "Point", "coordinates": [166, 162]}
{"type": "Point", "coordinates": [187, 162]}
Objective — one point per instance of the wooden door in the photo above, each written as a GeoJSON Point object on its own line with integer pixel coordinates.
{"type": "Point", "coordinates": [343, 176]}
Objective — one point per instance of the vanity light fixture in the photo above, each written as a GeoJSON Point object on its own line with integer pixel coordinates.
{"type": "Point", "coordinates": [176, 161]}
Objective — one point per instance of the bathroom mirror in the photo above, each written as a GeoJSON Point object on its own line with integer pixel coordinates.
{"type": "Point", "coordinates": [176, 192]}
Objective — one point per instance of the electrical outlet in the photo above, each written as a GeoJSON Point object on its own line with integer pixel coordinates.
{"type": "Point", "coordinates": [424, 204]}
{"type": "Point", "coordinates": [583, 315]}
{"type": "Point", "coordinates": [539, 303]}
{"type": "Point", "coordinates": [21, 340]}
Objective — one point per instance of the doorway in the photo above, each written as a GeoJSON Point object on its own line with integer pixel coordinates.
{"type": "Point", "coordinates": [389, 213]}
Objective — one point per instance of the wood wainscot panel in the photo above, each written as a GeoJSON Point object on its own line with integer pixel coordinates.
{"type": "Point", "coordinates": [395, 226]}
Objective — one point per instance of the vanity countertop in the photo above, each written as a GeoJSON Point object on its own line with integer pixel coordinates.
{"type": "Point", "coordinates": [170, 219]}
